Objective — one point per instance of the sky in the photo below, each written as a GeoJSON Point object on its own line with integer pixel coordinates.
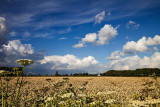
{"type": "Point", "coordinates": [78, 36]}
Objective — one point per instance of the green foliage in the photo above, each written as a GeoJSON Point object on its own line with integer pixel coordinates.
{"type": "Point", "coordinates": [133, 73]}
{"type": "Point", "coordinates": [16, 92]}
{"type": "Point", "coordinates": [56, 74]}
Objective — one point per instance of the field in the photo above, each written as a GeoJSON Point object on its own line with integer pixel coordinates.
{"type": "Point", "coordinates": [86, 91]}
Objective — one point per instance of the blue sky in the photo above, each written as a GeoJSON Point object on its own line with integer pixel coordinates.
{"type": "Point", "coordinates": [80, 35]}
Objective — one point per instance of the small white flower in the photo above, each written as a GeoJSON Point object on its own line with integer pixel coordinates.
{"type": "Point", "coordinates": [67, 95]}
{"type": "Point", "coordinates": [92, 103]}
{"type": "Point", "coordinates": [62, 102]}
{"type": "Point", "coordinates": [111, 92]}
{"type": "Point", "coordinates": [102, 93]}
{"type": "Point", "coordinates": [81, 95]}
{"type": "Point", "coordinates": [2, 71]}
{"type": "Point", "coordinates": [110, 101]}
{"type": "Point", "coordinates": [49, 99]}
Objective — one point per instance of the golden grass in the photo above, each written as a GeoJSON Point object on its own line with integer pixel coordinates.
{"type": "Point", "coordinates": [126, 89]}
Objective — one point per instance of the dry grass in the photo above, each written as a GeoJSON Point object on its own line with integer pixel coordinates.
{"type": "Point", "coordinates": [126, 90]}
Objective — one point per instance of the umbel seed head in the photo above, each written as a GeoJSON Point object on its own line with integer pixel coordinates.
{"type": "Point", "coordinates": [24, 62]}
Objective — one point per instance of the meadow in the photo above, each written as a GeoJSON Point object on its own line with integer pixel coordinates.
{"type": "Point", "coordinates": [81, 91]}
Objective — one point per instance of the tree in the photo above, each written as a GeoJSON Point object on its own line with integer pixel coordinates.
{"type": "Point", "coordinates": [56, 74]}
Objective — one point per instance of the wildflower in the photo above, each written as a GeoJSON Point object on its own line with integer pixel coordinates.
{"type": "Point", "coordinates": [67, 95]}
{"type": "Point", "coordinates": [25, 62]}
{"type": "Point", "coordinates": [110, 101]}
{"type": "Point", "coordinates": [82, 88]}
{"type": "Point", "coordinates": [61, 102]}
{"type": "Point", "coordinates": [153, 101]}
{"type": "Point", "coordinates": [93, 103]}
{"type": "Point", "coordinates": [138, 103]}
{"type": "Point", "coordinates": [2, 71]}
{"type": "Point", "coordinates": [106, 93]}
{"type": "Point", "coordinates": [81, 95]}
{"type": "Point", "coordinates": [49, 99]}
{"type": "Point", "coordinates": [61, 82]}
{"type": "Point", "coordinates": [111, 92]}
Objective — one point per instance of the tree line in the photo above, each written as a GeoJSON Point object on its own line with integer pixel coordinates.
{"type": "Point", "coordinates": [133, 73]}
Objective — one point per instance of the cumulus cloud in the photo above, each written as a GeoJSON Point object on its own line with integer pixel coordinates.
{"type": "Point", "coordinates": [115, 55]}
{"type": "Point", "coordinates": [135, 62]}
{"type": "Point", "coordinates": [69, 62]}
{"type": "Point", "coordinates": [99, 17]}
{"type": "Point", "coordinates": [14, 50]}
{"type": "Point", "coordinates": [106, 33]}
{"type": "Point", "coordinates": [79, 45]}
{"type": "Point", "coordinates": [16, 47]}
{"type": "Point", "coordinates": [103, 37]}
{"type": "Point", "coordinates": [91, 38]}
{"type": "Point", "coordinates": [132, 25]}
{"type": "Point", "coordinates": [141, 45]}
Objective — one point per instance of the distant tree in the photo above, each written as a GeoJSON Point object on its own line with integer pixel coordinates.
{"type": "Point", "coordinates": [56, 74]}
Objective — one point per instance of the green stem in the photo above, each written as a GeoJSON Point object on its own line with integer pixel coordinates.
{"type": "Point", "coordinates": [14, 91]}
{"type": "Point", "coordinates": [7, 88]}
{"type": "Point", "coordinates": [20, 83]}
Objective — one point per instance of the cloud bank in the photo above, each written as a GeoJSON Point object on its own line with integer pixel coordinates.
{"type": "Point", "coordinates": [141, 45]}
{"type": "Point", "coordinates": [69, 62]}
{"type": "Point", "coordinates": [134, 62]}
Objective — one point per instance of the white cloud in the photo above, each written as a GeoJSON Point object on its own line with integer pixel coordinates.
{"type": "Point", "coordinates": [43, 35]}
{"type": "Point", "coordinates": [105, 34]}
{"type": "Point", "coordinates": [103, 37]}
{"type": "Point", "coordinates": [115, 55]}
{"type": "Point", "coordinates": [91, 37]}
{"type": "Point", "coordinates": [79, 45]}
{"type": "Point", "coordinates": [69, 62]}
{"type": "Point", "coordinates": [63, 38]}
{"type": "Point", "coordinates": [135, 62]}
{"type": "Point", "coordinates": [15, 47]}
{"type": "Point", "coordinates": [132, 25]}
{"type": "Point", "coordinates": [141, 45]}
{"type": "Point", "coordinates": [155, 48]}
{"type": "Point", "coordinates": [14, 50]}
{"type": "Point", "coordinates": [99, 17]}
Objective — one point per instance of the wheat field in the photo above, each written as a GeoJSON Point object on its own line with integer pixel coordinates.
{"type": "Point", "coordinates": [88, 91]}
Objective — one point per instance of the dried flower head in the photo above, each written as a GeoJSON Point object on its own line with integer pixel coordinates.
{"type": "Point", "coordinates": [24, 62]}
